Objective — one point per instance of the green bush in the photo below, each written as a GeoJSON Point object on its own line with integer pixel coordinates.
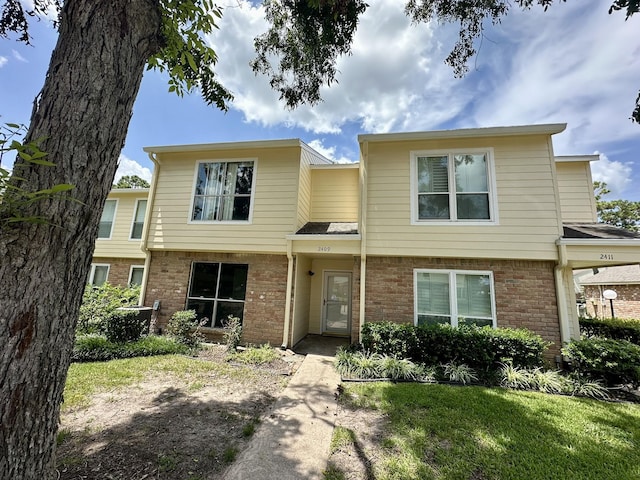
{"type": "Point", "coordinates": [184, 328]}
{"type": "Point", "coordinates": [99, 302]}
{"type": "Point", "coordinates": [124, 326]}
{"type": "Point", "coordinates": [613, 361]}
{"type": "Point", "coordinates": [614, 328]}
{"type": "Point", "coordinates": [232, 333]}
{"type": "Point", "coordinates": [94, 348]}
{"type": "Point", "coordinates": [482, 349]}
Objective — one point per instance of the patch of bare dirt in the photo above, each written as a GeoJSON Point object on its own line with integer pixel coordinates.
{"type": "Point", "coordinates": [355, 458]}
{"type": "Point", "coordinates": [170, 428]}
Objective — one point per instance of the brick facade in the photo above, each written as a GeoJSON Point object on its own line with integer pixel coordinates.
{"type": "Point", "coordinates": [264, 306]}
{"type": "Point", "coordinates": [627, 305]}
{"type": "Point", "coordinates": [524, 291]}
{"type": "Point", "coordinates": [119, 268]}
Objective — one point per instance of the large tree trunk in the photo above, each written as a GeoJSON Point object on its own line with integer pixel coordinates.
{"type": "Point", "coordinates": [84, 111]}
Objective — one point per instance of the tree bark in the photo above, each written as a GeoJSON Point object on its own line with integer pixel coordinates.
{"type": "Point", "coordinates": [83, 111]}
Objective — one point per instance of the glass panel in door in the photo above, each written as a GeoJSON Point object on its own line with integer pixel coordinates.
{"type": "Point", "coordinates": [336, 311]}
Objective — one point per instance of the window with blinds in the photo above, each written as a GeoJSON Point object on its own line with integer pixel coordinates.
{"type": "Point", "coordinates": [454, 297]}
{"type": "Point", "coordinates": [223, 191]}
{"type": "Point", "coordinates": [453, 187]}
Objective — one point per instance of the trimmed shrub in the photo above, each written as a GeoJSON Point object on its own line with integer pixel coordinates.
{"type": "Point", "coordinates": [613, 361]}
{"type": "Point", "coordinates": [184, 328]}
{"type": "Point", "coordinates": [99, 302]}
{"type": "Point", "coordinates": [614, 328]}
{"type": "Point", "coordinates": [95, 348]}
{"type": "Point", "coordinates": [124, 326]}
{"type": "Point", "coordinates": [482, 349]}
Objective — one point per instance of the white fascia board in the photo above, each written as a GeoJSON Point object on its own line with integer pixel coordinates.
{"type": "Point", "coordinates": [200, 147]}
{"type": "Point", "coordinates": [335, 166]}
{"type": "Point", "coordinates": [577, 158]}
{"type": "Point", "coordinates": [542, 129]}
{"type": "Point", "coordinates": [612, 242]}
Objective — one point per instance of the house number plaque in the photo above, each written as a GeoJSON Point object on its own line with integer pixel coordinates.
{"type": "Point", "coordinates": [324, 249]}
{"type": "Point", "coordinates": [606, 256]}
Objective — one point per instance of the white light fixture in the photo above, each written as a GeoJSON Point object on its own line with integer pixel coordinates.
{"type": "Point", "coordinates": [610, 295]}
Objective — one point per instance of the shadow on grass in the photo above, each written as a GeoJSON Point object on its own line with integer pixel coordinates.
{"type": "Point", "coordinates": [445, 432]}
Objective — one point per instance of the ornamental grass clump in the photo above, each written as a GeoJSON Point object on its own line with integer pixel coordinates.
{"type": "Point", "coordinates": [459, 373]}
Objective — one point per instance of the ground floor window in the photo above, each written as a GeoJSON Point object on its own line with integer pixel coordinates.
{"type": "Point", "coordinates": [98, 274]}
{"type": "Point", "coordinates": [217, 290]}
{"type": "Point", "coordinates": [456, 297]}
{"type": "Point", "coordinates": [135, 274]}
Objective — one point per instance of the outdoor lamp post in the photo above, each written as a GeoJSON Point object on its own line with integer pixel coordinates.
{"type": "Point", "coordinates": [610, 295]}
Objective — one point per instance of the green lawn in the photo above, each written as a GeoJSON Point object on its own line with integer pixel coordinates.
{"type": "Point", "coordinates": [445, 432]}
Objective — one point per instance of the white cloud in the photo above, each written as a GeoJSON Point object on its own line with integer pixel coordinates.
{"type": "Point", "coordinates": [19, 57]}
{"type": "Point", "coordinates": [395, 78]}
{"type": "Point", "coordinates": [572, 64]}
{"type": "Point", "coordinates": [126, 166]}
{"type": "Point", "coordinates": [329, 152]}
{"type": "Point", "coordinates": [616, 175]}
{"type": "Point", "coordinates": [3, 61]}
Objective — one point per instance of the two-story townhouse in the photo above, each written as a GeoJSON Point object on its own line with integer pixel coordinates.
{"type": "Point", "coordinates": [480, 226]}
{"type": "Point", "coordinates": [118, 257]}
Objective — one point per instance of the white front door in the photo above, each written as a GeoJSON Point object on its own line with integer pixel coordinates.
{"type": "Point", "coordinates": [336, 303]}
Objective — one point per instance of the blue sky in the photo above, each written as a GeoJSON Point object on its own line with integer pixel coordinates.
{"type": "Point", "coordinates": [574, 64]}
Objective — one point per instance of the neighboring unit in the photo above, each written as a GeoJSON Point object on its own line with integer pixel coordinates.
{"type": "Point", "coordinates": [118, 257]}
{"type": "Point", "coordinates": [624, 280]}
{"type": "Point", "coordinates": [474, 226]}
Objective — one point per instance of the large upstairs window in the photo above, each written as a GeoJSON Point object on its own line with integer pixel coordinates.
{"type": "Point", "coordinates": [223, 191]}
{"type": "Point", "coordinates": [107, 219]}
{"type": "Point", "coordinates": [453, 186]}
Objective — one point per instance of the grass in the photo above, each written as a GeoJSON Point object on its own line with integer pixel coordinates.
{"type": "Point", "coordinates": [445, 432]}
{"type": "Point", "coordinates": [85, 379]}
{"type": "Point", "coordinates": [255, 355]}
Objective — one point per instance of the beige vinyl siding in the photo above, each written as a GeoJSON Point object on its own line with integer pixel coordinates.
{"type": "Point", "coordinates": [335, 194]}
{"type": "Point", "coordinates": [301, 300]}
{"type": "Point", "coordinates": [527, 219]}
{"type": "Point", "coordinates": [274, 204]}
{"type": "Point", "coordinates": [576, 192]}
{"type": "Point", "coordinates": [304, 189]}
{"type": "Point", "coordinates": [119, 245]}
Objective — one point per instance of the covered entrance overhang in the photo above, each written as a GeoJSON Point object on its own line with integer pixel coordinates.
{"type": "Point", "coordinates": [588, 246]}
{"type": "Point", "coordinates": [322, 285]}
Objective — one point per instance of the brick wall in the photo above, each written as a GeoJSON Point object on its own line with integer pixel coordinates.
{"type": "Point", "coordinates": [627, 305]}
{"type": "Point", "coordinates": [524, 291]}
{"type": "Point", "coordinates": [265, 295]}
{"type": "Point", "coordinates": [118, 268]}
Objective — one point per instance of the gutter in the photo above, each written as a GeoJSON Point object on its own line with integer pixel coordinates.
{"type": "Point", "coordinates": [287, 306]}
{"type": "Point", "coordinates": [563, 312]}
{"type": "Point", "coordinates": [364, 149]}
{"type": "Point", "coordinates": [147, 225]}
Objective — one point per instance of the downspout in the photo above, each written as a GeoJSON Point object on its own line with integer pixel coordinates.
{"type": "Point", "coordinates": [147, 224]}
{"type": "Point", "coordinates": [563, 313]}
{"type": "Point", "coordinates": [364, 149]}
{"type": "Point", "coordinates": [287, 306]}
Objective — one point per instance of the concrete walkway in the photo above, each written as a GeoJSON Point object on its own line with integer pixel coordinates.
{"type": "Point", "coordinates": [292, 443]}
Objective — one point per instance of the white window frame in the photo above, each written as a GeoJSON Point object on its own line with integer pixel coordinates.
{"type": "Point", "coordinates": [453, 292]}
{"type": "Point", "coordinates": [133, 220]}
{"type": "Point", "coordinates": [251, 201]}
{"type": "Point", "coordinates": [92, 273]}
{"type": "Point", "coordinates": [491, 183]}
{"type": "Point", "coordinates": [131, 272]}
{"type": "Point", "coordinates": [113, 222]}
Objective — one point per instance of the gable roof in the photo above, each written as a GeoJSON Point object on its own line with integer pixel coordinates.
{"type": "Point", "coordinates": [613, 276]}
